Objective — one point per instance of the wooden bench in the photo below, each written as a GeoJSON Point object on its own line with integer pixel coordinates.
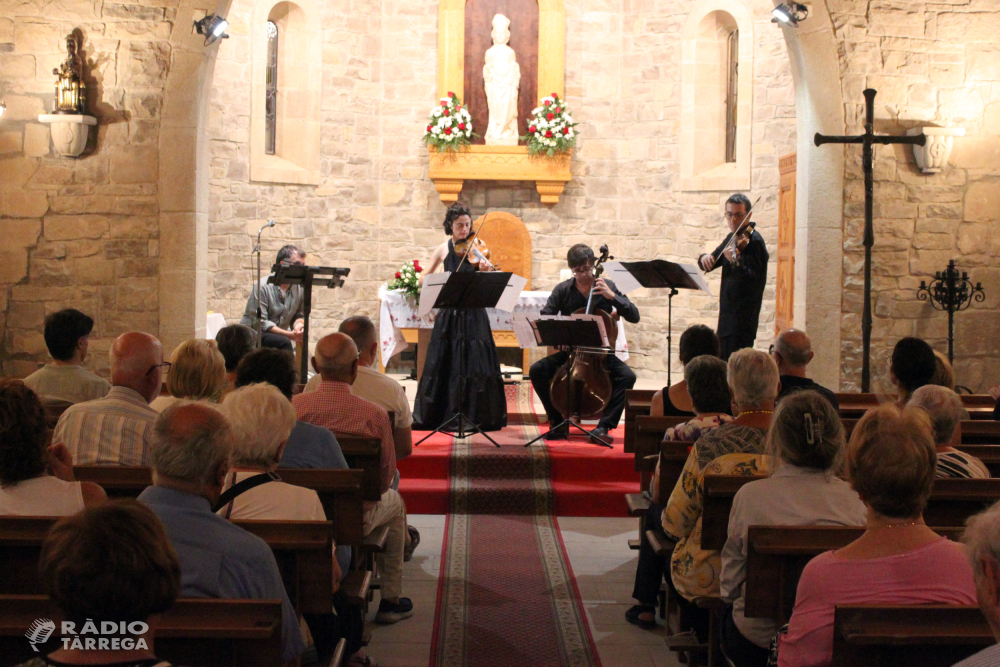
{"type": "Point", "coordinates": [952, 501]}
{"type": "Point", "coordinates": [364, 454]}
{"type": "Point", "coordinates": [974, 432]}
{"type": "Point", "coordinates": [637, 402]}
{"type": "Point", "coordinates": [912, 635]}
{"type": "Point", "coordinates": [853, 406]}
{"type": "Point", "coordinates": [776, 556]}
{"type": "Point", "coordinates": [202, 632]}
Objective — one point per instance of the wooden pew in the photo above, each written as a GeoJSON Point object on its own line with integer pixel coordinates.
{"type": "Point", "coordinates": [200, 632]}
{"type": "Point", "coordinates": [636, 403]}
{"type": "Point", "coordinates": [853, 406]}
{"type": "Point", "coordinates": [952, 501]}
{"type": "Point", "coordinates": [364, 454]}
{"type": "Point", "coordinates": [776, 556]}
{"type": "Point", "coordinates": [913, 635]}
{"type": "Point", "coordinates": [974, 432]}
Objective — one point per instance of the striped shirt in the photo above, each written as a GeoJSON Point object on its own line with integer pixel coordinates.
{"type": "Point", "coordinates": [334, 407]}
{"type": "Point", "coordinates": [113, 430]}
{"type": "Point", "coordinates": [955, 463]}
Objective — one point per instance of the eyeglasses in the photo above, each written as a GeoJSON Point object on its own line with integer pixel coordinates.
{"type": "Point", "coordinates": [730, 215]}
{"type": "Point", "coordinates": [770, 349]}
{"type": "Point", "coordinates": [165, 366]}
{"type": "Point", "coordinates": [586, 268]}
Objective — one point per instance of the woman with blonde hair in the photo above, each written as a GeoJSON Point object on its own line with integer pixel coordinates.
{"type": "Point", "coordinates": [197, 371]}
{"type": "Point", "coordinates": [898, 560]}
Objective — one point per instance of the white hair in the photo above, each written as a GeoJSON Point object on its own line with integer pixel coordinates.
{"type": "Point", "coordinates": [753, 377]}
{"type": "Point", "coordinates": [982, 539]}
{"type": "Point", "coordinates": [190, 445]}
{"type": "Point", "coordinates": [262, 419]}
{"type": "Point", "coordinates": [943, 405]}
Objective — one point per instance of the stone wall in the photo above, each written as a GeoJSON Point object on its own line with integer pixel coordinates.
{"type": "Point", "coordinates": [80, 233]}
{"type": "Point", "coordinates": [375, 206]}
{"type": "Point", "coordinates": [933, 64]}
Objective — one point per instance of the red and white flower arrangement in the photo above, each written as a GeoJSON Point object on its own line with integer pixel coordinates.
{"type": "Point", "coordinates": [406, 279]}
{"type": "Point", "coordinates": [450, 125]}
{"type": "Point", "coordinates": [551, 128]}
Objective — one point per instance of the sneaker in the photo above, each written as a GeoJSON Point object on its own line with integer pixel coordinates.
{"type": "Point", "coordinates": [389, 612]}
{"type": "Point", "coordinates": [414, 541]}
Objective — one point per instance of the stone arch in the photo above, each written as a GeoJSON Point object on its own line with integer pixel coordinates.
{"type": "Point", "coordinates": [702, 80]}
{"type": "Point", "coordinates": [819, 206]}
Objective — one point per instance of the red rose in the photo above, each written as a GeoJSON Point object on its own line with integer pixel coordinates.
{"type": "Point", "coordinates": [443, 103]}
{"type": "Point", "coordinates": [458, 108]}
{"type": "Point", "coordinates": [548, 102]}
{"type": "Point", "coordinates": [548, 134]}
{"type": "Point", "coordinates": [532, 129]}
{"type": "Point", "coordinates": [417, 267]}
{"type": "Point", "coordinates": [558, 110]}
{"type": "Point", "coordinates": [461, 126]}
{"type": "Point", "coordinates": [565, 130]}
{"type": "Point", "coordinates": [429, 128]}
{"type": "Point", "coordinates": [445, 112]}
{"type": "Point", "coordinates": [398, 274]}
{"type": "Point", "coordinates": [447, 130]}
{"type": "Point", "coordinates": [549, 116]}
{"type": "Point", "coordinates": [555, 96]}
{"type": "Point", "coordinates": [451, 94]}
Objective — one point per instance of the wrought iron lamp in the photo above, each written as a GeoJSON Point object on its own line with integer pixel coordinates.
{"type": "Point", "coordinates": [791, 13]}
{"type": "Point", "coordinates": [952, 292]}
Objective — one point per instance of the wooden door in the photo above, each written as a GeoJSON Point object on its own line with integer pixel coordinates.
{"type": "Point", "coordinates": [785, 283]}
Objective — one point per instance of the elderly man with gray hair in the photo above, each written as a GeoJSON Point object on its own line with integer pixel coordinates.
{"type": "Point", "coordinates": [945, 409]}
{"type": "Point", "coordinates": [191, 449]}
{"type": "Point", "coordinates": [792, 351]}
{"type": "Point", "coordinates": [334, 407]}
{"type": "Point", "coordinates": [982, 543]}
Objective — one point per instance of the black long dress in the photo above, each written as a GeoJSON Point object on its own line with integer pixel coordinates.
{"type": "Point", "coordinates": [461, 364]}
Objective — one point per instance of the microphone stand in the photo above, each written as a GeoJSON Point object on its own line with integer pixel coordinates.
{"type": "Point", "coordinates": [257, 249]}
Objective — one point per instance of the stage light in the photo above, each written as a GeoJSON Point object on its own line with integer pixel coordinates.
{"type": "Point", "coordinates": [791, 13]}
{"type": "Point", "coordinates": [213, 27]}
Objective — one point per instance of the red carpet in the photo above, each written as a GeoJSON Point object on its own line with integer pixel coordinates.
{"type": "Point", "coordinates": [576, 477]}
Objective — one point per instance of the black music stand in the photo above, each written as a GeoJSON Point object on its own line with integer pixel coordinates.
{"type": "Point", "coordinates": [570, 334]}
{"type": "Point", "coordinates": [661, 274]}
{"type": "Point", "coordinates": [309, 277]}
{"type": "Point", "coordinates": [464, 291]}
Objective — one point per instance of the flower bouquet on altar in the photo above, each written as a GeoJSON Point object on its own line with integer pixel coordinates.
{"type": "Point", "coordinates": [406, 280]}
{"type": "Point", "coordinates": [550, 128]}
{"type": "Point", "coordinates": [450, 125]}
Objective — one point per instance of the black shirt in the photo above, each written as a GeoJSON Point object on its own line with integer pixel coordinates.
{"type": "Point", "coordinates": [793, 383]}
{"type": "Point", "coordinates": [567, 299]}
{"type": "Point", "coordinates": [742, 286]}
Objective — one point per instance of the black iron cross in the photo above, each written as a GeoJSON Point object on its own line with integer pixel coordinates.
{"type": "Point", "coordinates": [868, 139]}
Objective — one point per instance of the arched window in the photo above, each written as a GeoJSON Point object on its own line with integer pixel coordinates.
{"type": "Point", "coordinates": [287, 49]}
{"type": "Point", "coordinates": [271, 93]}
{"type": "Point", "coordinates": [715, 99]}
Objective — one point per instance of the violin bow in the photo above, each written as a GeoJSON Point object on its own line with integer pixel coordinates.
{"type": "Point", "coordinates": [732, 239]}
{"type": "Point", "coordinates": [471, 238]}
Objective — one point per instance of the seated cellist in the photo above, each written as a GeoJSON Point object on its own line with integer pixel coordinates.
{"type": "Point", "coordinates": [568, 297]}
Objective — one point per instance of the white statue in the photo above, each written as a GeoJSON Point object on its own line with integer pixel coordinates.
{"type": "Point", "coordinates": [502, 76]}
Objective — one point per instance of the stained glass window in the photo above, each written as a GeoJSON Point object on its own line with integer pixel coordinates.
{"type": "Point", "coordinates": [271, 103]}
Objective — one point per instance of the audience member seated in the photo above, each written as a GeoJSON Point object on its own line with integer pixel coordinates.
{"type": "Point", "coordinates": [334, 407]}
{"type": "Point", "coordinates": [898, 560]}
{"type": "Point", "coordinates": [115, 430]}
{"type": "Point", "coordinates": [374, 386]}
{"type": "Point", "coordinates": [705, 380]}
{"type": "Point", "coordinates": [945, 410]}
{"type": "Point", "coordinates": [793, 352]}
{"type": "Point", "coordinates": [806, 451]}
{"type": "Point", "coordinates": [113, 564]}
{"type": "Point", "coordinates": [735, 448]}
{"type": "Point", "coordinates": [67, 335]}
{"type": "Point", "coordinates": [995, 395]}
{"type": "Point", "coordinates": [235, 342]}
{"type": "Point", "coordinates": [674, 401]}
{"type": "Point", "coordinates": [308, 446]}
{"type": "Point", "coordinates": [262, 419]}
{"type": "Point", "coordinates": [913, 365]}
{"type": "Point", "coordinates": [944, 374]}
{"type": "Point", "coordinates": [26, 489]}
{"type": "Point", "coordinates": [982, 542]}
{"type": "Point", "coordinates": [191, 448]}
{"type": "Point", "coordinates": [197, 371]}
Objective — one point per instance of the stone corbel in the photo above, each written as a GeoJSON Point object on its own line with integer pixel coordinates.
{"type": "Point", "coordinates": [934, 154]}
{"type": "Point", "coordinates": [450, 170]}
{"type": "Point", "coordinates": [69, 132]}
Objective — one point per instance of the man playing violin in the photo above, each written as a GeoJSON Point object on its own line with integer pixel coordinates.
{"type": "Point", "coordinates": [744, 274]}
{"type": "Point", "coordinates": [568, 297]}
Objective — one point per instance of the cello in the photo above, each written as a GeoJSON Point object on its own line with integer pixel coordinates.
{"type": "Point", "coordinates": [581, 388]}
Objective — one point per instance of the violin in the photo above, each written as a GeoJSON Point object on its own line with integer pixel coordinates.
{"type": "Point", "coordinates": [581, 388]}
{"type": "Point", "coordinates": [472, 246]}
{"type": "Point", "coordinates": [740, 237]}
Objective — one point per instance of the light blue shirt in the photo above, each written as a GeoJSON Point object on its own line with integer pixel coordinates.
{"type": "Point", "coordinates": [220, 560]}
{"type": "Point", "coordinates": [311, 446]}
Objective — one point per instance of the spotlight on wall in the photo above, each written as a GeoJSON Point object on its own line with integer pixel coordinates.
{"type": "Point", "coordinates": [213, 27]}
{"type": "Point", "coordinates": [790, 13]}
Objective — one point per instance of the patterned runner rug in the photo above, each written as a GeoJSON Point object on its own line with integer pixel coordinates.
{"type": "Point", "coordinates": [506, 593]}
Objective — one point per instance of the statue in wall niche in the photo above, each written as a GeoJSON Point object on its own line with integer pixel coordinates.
{"type": "Point", "coordinates": [71, 91]}
{"type": "Point", "coordinates": [502, 77]}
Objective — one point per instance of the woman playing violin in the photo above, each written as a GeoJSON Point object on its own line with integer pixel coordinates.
{"type": "Point", "coordinates": [462, 370]}
{"type": "Point", "coordinates": [744, 274]}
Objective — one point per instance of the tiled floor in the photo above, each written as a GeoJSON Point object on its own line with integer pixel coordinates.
{"type": "Point", "coordinates": [604, 568]}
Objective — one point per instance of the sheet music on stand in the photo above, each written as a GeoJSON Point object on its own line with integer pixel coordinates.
{"type": "Point", "coordinates": [529, 333]}
{"type": "Point", "coordinates": [491, 289]}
